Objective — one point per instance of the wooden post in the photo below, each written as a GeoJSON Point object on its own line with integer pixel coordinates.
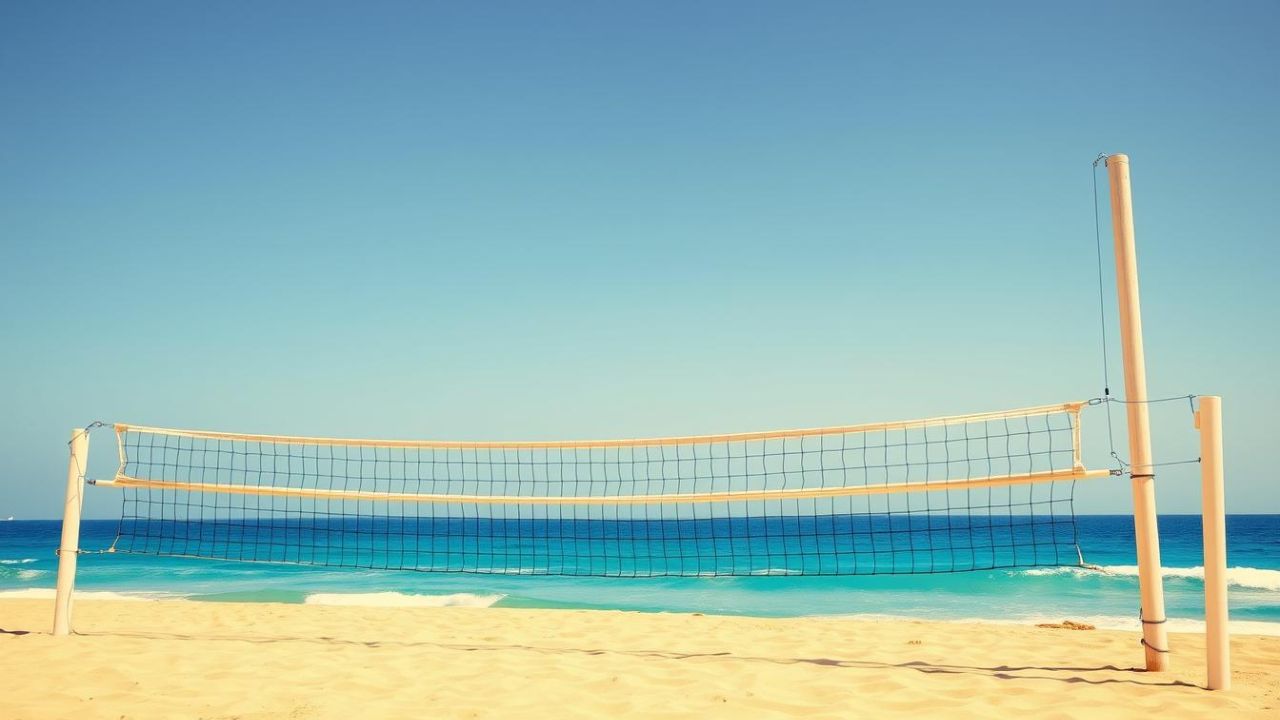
{"type": "Point", "coordinates": [70, 547]}
{"type": "Point", "coordinates": [1142, 472]}
{"type": "Point", "coordinates": [1217, 637]}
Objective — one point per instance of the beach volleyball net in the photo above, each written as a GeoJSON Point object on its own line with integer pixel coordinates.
{"type": "Point", "coordinates": [972, 492]}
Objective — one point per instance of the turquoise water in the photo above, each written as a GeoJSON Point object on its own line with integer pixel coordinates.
{"type": "Point", "coordinates": [1108, 598]}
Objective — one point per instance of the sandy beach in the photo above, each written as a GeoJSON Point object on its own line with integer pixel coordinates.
{"type": "Point", "coordinates": [167, 659]}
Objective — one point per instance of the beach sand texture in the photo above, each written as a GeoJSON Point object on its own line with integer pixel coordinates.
{"type": "Point", "coordinates": [178, 659]}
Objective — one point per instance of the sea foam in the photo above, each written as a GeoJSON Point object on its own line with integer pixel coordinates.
{"type": "Point", "coordinates": [1241, 577]}
{"type": "Point", "coordinates": [395, 599]}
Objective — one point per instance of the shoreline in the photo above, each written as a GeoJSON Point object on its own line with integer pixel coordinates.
{"type": "Point", "coordinates": [392, 599]}
{"type": "Point", "coordinates": [266, 660]}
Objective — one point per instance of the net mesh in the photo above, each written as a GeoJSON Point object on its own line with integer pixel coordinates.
{"type": "Point", "coordinates": [944, 495]}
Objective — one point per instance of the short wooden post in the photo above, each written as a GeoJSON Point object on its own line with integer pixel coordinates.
{"type": "Point", "coordinates": [1142, 470]}
{"type": "Point", "coordinates": [1217, 637]}
{"type": "Point", "coordinates": [69, 549]}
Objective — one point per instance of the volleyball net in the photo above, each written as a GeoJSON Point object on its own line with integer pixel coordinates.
{"type": "Point", "coordinates": [971, 492]}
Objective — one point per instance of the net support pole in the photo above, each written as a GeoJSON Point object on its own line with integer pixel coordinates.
{"type": "Point", "coordinates": [1142, 471]}
{"type": "Point", "coordinates": [69, 548]}
{"type": "Point", "coordinates": [1217, 637]}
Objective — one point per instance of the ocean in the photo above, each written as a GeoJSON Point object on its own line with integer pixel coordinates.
{"type": "Point", "coordinates": [1107, 597]}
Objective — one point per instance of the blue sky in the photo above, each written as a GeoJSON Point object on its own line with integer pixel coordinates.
{"type": "Point", "coordinates": [539, 220]}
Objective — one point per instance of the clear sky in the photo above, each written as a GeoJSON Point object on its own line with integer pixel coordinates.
{"type": "Point", "coordinates": [542, 220]}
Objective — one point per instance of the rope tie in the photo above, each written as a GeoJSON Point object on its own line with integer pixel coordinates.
{"type": "Point", "coordinates": [58, 551]}
{"type": "Point", "coordinates": [87, 429]}
{"type": "Point", "coordinates": [1145, 622]}
{"type": "Point", "coordinates": [1143, 642]}
{"type": "Point", "coordinates": [1121, 464]}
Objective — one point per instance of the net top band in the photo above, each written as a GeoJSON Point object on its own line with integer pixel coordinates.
{"type": "Point", "coordinates": [1068, 407]}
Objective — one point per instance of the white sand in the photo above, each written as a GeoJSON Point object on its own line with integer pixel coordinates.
{"type": "Point", "coordinates": [175, 659]}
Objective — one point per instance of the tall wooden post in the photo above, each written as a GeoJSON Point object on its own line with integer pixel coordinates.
{"type": "Point", "coordinates": [1142, 472]}
{"type": "Point", "coordinates": [69, 549]}
{"type": "Point", "coordinates": [1217, 639]}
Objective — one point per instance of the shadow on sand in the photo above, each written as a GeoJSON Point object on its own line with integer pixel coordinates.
{"type": "Point", "coordinates": [1054, 673]}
